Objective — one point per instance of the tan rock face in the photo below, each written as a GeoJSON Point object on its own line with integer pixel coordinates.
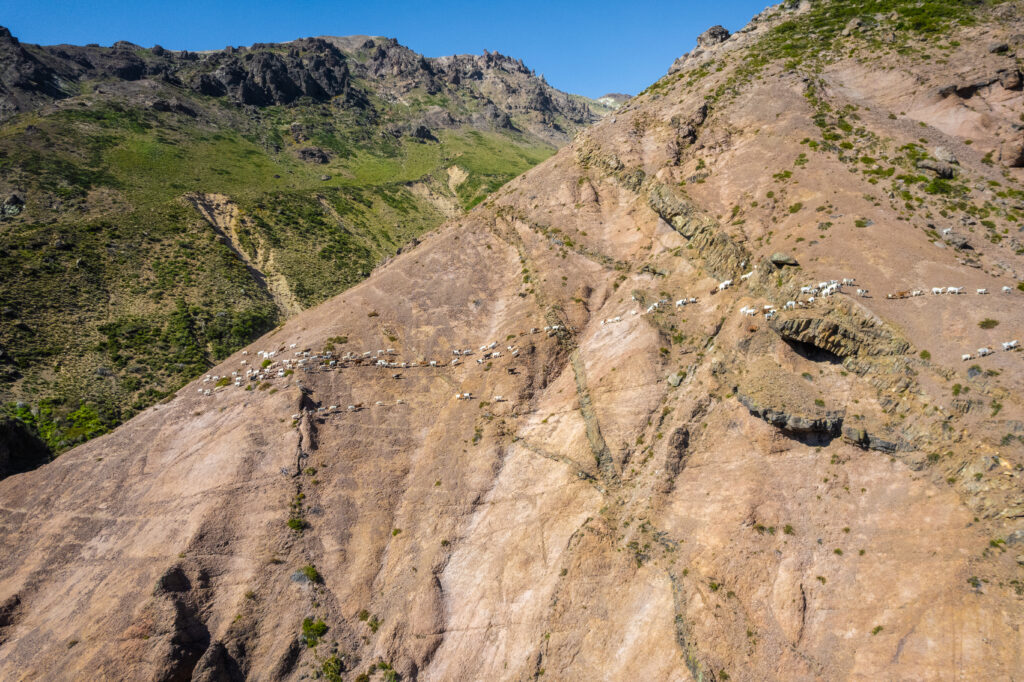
{"type": "Point", "coordinates": [573, 513]}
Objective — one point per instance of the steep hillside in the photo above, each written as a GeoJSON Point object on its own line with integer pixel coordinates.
{"type": "Point", "coordinates": [160, 209]}
{"type": "Point", "coordinates": [617, 422]}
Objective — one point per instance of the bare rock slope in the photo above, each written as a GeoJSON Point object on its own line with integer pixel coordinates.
{"type": "Point", "coordinates": [551, 440]}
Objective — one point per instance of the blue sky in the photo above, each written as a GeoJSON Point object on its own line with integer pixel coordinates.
{"type": "Point", "coordinates": [584, 47]}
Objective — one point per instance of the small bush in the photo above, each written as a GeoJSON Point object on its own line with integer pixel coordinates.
{"type": "Point", "coordinates": [312, 631]}
{"type": "Point", "coordinates": [875, 630]}
{"type": "Point", "coordinates": [309, 570]}
{"type": "Point", "coordinates": [296, 524]}
{"type": "Point", "coordinates": [925, 355]}
{"type": "Point", "coordinates": [988, 323]}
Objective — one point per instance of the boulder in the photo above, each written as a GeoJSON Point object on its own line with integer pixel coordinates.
{"type": "Point", "coordinates": [959, 241]}
{"type": "Point", "coordinates": [1012, 153]}
{"type": "Point", "coordinates": [780, 259]}
{"type": "Point", "coordinates": [314, 155]}
{"type": "Point", "coordinates": [1011, 79]}
{"type": "Point", "coordinates": [675, 379]}
{"type": "Point", "coordinates": [12, 205]}
{"type": "Point", "coordinates": [944, 155]}
{"type": "Point", "coordinates": [851, 26]}
{"type": "Point", "coordinates": [942, 170]}
{"type": "Point", "coordinates": [713, 36]}
{"type": "Point", "coordinates": [998, 48]}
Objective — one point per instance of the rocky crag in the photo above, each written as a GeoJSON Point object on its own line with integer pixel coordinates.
{"type": "Point", "coordinates": [667, 447]}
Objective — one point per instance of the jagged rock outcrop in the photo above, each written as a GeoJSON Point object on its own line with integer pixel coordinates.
{"type": "Point", "coordinates": [826, 423]}
{"type": "Point", "coordinates": [723, 257]}
{"type": "Point", "coordinates": [840, 332]}
{"type": "Point", "coordinates": [941, 169]}
{"type": "Point", "coordinates": [713, 36]}
{"type": "Point", "coordinates": [323, 69]}
{"type": "Point", "coordinates": [870, 441]}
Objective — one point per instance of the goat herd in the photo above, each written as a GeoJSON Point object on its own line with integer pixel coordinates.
{"type": "Point", "coordinates": [272, 365]}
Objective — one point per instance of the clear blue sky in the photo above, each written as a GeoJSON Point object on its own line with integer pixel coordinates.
{"type": "Point", "coordinates": [584, 47]}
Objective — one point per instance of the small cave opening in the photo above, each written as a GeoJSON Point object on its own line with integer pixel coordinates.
{"type": "Point", "coordinates": [809, 351]}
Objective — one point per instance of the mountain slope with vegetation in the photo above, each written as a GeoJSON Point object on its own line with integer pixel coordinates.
{"type": "Point", "coordinates": [161, 208]}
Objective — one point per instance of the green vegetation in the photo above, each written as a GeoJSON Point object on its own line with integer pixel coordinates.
{"type": "Point", "coordinates": [312, 631]}
{"type": "Point", "coordinates": [332, 669]}
{"type": "Point", "coordinates": [309, 570]}
{"type": "Point", "coordinates": [988, 323]}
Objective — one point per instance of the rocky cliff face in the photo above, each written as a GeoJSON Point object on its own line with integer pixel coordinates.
{"type": "Point", "coordinates": [561, 437]}
{"type": "Point", "coordinates": [348, 71]}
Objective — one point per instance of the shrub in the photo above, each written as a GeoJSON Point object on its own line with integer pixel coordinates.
{"type": "Point", "coordinates": [309, 570]}
{"type": "Point", "coordinates": [988, 323]}
{"type": "Point", "coordinates": [925, 355]}
{"type": "Point", "coordinates": [297, 524]}
{"type": "Point", "coordinates": [875, 630]}
{"type": "Point", "coordinates": [332, 669]}
{"type": "Point", "coordinates": [313, 630]}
